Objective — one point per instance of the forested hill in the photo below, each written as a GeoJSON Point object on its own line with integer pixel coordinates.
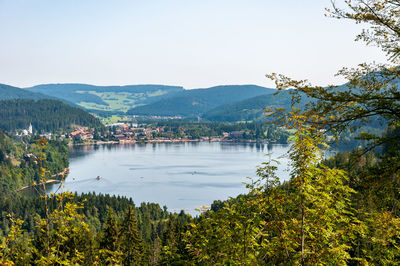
{"type": "Point", "coordinates": [107, 98]}
{"type": "Point", "coordinates": [45, 115]}
{"type": "Point", "coordinates": [8, 92]}
{"type": "Point", "coordinates": [252, 109]}
{"type": "Point", "coordinates": [249, 109]}
{"type": "Point", "coordinates": [196, 102]}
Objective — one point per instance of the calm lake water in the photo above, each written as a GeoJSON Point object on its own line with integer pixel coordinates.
{"type": "Point", "coordinates": [182, 176]}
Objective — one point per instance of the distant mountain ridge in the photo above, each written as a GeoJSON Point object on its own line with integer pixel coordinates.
{"type": "Point", "coordinates": [103, 88]}
{"type": "Point", "coordinates": [107, 98]}
{"type": "Point", "coordinates": [196, 102]}
{"type": "Point", "coordinates": [229, 103]}
{"type": "Point", "coordinates": [8, 92]}
{"type": "Point", "coordinates": [146, 100]}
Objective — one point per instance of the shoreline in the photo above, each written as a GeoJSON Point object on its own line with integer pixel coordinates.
{"type": "Point", "coordinates": [169, 141]}
{"type": "Point", "coordinates": [47, 182]}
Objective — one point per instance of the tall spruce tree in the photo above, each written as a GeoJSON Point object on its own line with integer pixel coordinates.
{"type": "Point", "coordinates": [132, 246]}
{"type": "Point", "coordinates": [110, 240]}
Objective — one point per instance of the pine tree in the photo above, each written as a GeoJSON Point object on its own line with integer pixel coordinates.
{"type": "Point", "coordinates": [132, 245]}
{"type": "Point", "coordinates": [109, 243]}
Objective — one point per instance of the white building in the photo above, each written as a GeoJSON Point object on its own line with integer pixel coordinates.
{"type": "Point", "coordinates": [30, 129]}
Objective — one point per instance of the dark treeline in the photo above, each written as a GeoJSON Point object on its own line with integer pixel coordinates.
{"type": "Point", "coordinates": [44, 115]}
{"type": "Point", "coordinates": [251, 131]}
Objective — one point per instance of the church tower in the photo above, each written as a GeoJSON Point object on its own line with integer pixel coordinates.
{"type": "Point", "coordinates": [30, 130]}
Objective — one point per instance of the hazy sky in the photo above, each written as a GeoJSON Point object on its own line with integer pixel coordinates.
{"type": "Point", "coordinates": [192, 43]}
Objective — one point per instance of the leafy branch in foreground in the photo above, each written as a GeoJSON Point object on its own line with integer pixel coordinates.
{"type": "Point", "coordinates": [381, 15]}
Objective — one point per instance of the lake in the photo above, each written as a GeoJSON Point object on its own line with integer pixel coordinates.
{"type": "Point", "coordinates": [182, 176]}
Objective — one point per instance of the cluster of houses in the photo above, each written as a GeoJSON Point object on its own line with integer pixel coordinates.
{"type": "Point", "coordinates": [233, 134]}
{"type": "Point", "coordinates": [132, 131]}
{"type": "Point", "coordinates": [124, 132]}
{"type": "Point", "coordinates": [117, 131]}
{"type": "Point", "coordinates": [82, 133]}
{"type": "Point", "coordinates": [29, 132]}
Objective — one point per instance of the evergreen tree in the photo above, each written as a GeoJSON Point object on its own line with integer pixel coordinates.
{"type": "Point", "coordinates": [110, 240]}
{"type": "Point", "coordinates": [132, 247]}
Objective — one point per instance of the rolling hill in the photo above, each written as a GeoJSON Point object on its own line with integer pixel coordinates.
{"type": "Point", "coordinates": [107, 98]}
{"type": "Point", "coordinates": [252, 109]}
{"type": "Point", "coordinates": [8, 92]}
{"type": "Point", "coordinates": [196, 102]}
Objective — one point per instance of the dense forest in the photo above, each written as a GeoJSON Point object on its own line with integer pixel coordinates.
{"type": "Point", "coordinates": [44, 115]}
{"type": "Point", "coordinates": [108, 228]}
{"type": "Point", "coordinates": [337, 210]}
{"type": "Point", "coordinates": [250, 109]}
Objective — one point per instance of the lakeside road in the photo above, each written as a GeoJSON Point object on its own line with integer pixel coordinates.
{"type": "Point", "coordinates": [50, 181]}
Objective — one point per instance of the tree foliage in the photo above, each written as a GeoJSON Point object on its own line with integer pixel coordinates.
{"type": "Point", "coordinates": [383, 18]}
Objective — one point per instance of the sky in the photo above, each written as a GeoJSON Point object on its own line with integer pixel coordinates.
{"type": "Point", "coordinates": [189, 43]}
